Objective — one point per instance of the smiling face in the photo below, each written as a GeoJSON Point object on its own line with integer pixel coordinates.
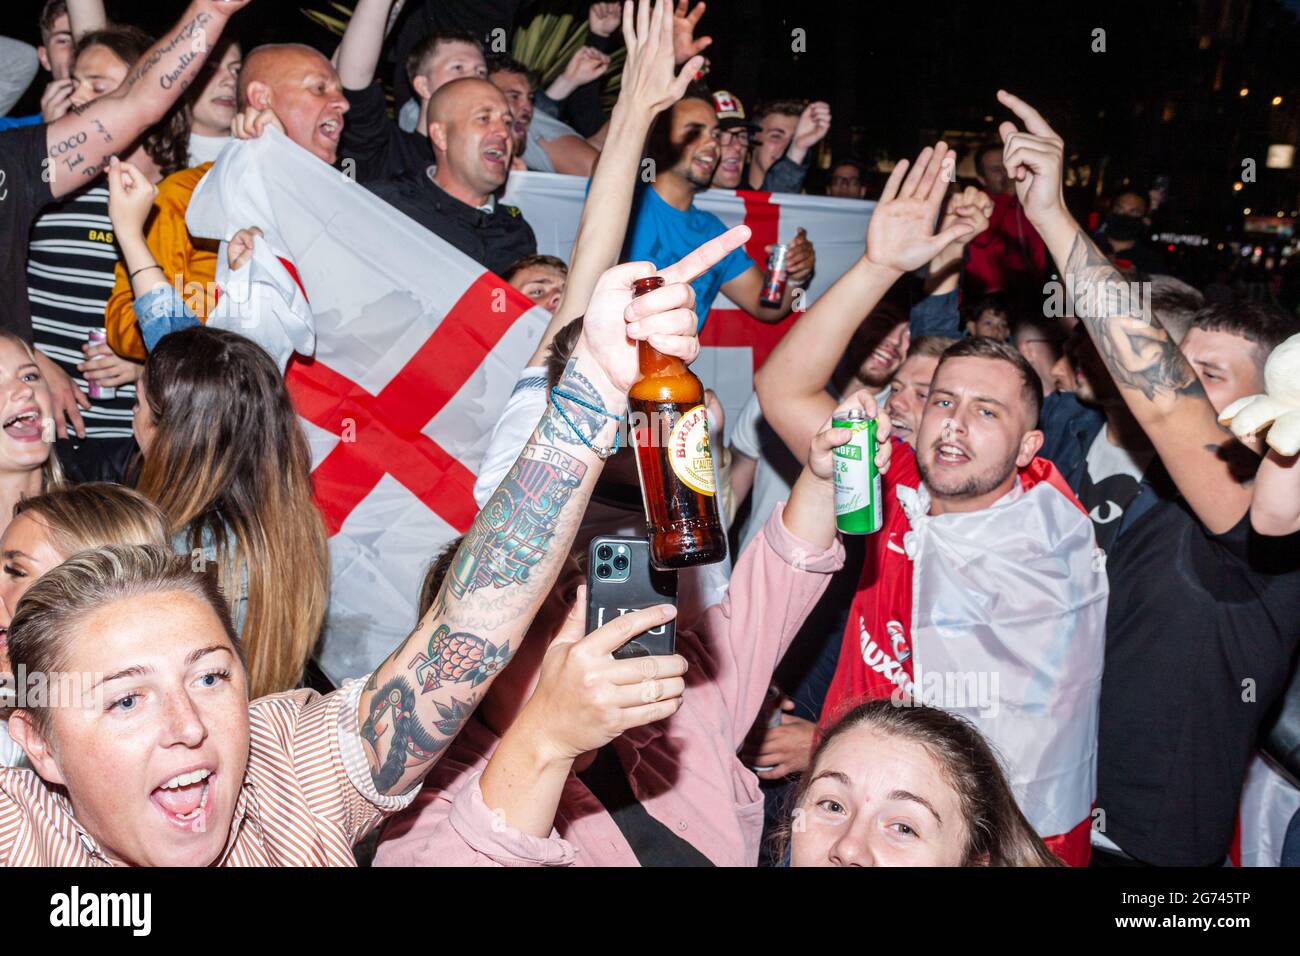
{"type": "Point", "coordinates": [1229, 366]}
{"type": "Point", "coordinates": [216, 104]}
{"type": "Point", "coordinates": [519, 97]}
{"type": "Point", "coordinates": [733, 147]}
{"type": "Point", "coordinates": [881, 341]}
{"type": "Point", "coordinates": [541, 283]}
{"type": "Point", "coordinates": [303, 89]}
{"type": "Point", "coordinates": [470, 126]}
{"type": "Point", "coordinates": [97, 71]}
{"type": "Point", "coordinates": [878, 800]}
{"type": "Point", "coordinates": [154, 762]}
{"type": "Point", "coordinates": [774, 135]}
{"type": "Point", "coordinates": [693, 137]}
{"type": "Point", "coordinates": [974, 433]}
{"type": "Point", "coordinates": [908, 393]}
{"type": "Point", "coordinates": [24, 411]}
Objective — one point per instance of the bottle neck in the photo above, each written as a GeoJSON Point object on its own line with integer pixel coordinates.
{"type": "Point", "coordinates": [654, 364]}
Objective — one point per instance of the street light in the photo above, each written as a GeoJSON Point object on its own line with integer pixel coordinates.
{"type": "Point", "coordinates": [1244, 92]}
{"type": "Point", "coordinates": [1277, 101]}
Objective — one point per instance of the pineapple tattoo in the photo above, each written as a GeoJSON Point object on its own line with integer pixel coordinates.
{"type": "Point", "coordinates": [459, 658]}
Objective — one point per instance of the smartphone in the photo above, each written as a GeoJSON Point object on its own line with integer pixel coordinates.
{"type": "Point", "coordinates": [620, 578]}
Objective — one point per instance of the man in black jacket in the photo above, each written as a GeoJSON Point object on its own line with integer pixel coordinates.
{"type": "Point", "coordinates": [469, 127]}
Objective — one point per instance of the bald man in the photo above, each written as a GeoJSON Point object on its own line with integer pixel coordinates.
{"type": "Point", "coordinates": [296, 89]}
{"type": "Point", "coordinates": [470, 131]}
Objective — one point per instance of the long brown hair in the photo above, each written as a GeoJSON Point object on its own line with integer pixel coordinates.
{"type": "Point", "coordinates": [997, 832]}
{"type": "Point", "coordinates": [228, 461]}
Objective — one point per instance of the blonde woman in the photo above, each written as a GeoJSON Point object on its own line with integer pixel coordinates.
{"type": "Point", "coordinates": [226, 460]}
{"type": "Point", "coordinates": [48, 529]}
{"type": "Point", "coordinates": [28, 465]}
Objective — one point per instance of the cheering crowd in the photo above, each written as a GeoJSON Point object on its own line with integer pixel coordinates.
{"type": "Point", "coordinates": [1065, 645]}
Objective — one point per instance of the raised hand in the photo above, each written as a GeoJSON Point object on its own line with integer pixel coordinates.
{"type": "Point", "coordinates": [1034, 159]}
{"type": "Point", "coordinates": [585, 697]}
{"type": "Point", "coordinates": [57, 99]}
{"type": "Point", "coordinates": [665, 318]}
{"type": "Point", "coordinates": [648, 72]}
{"type": "Point", "coordinates": [130, 197]}
{"type": "Point", "coordinates": [585, 65]}
{"type": "Point", "coordinates": [971, 205]}
{"type": "Point", "coordinates": [685, 46]}
{"type": "Point", "coordinates": [800, 257]}
{"type": "Point", "coordinates": [901, 233]}
{"type": "Point", "coordinates": [253, 122]}
{"type": "Point", "coordinates": [240, 247]}
{"type": "Point", "coordinates": [813, 125]}
{"type": "Point", "coordinates": [821, 457]}
{"type": "Point", "coordinates": [604, 18]}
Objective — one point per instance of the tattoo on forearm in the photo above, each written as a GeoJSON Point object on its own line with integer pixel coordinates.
{"type": "Point", "coordinates": [515, 529]}
{"type": "Point", "coordinates": [1136, 349]}
{"type": "Point", "coordinates": [393, 728]}
{"type": "Point", "coordinates": [185, 35]}
{"type": "Point", "coordinates": [555, 429]}
{"type": "Point", "coordinates": [456, 658]}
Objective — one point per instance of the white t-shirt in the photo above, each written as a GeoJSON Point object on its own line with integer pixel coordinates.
{"type": "Point", "coordinates": [206, 149]}
{"type": "Point", "coordinates": [698, 588]}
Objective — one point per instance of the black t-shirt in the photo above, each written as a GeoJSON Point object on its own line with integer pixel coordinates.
{"type": "Point", "coordinates": [497, 239]}
{"type": "Point", "coordinates": [380, 148]}
{"type": "Point", "coordinates": [24, 191]}
{"type": "Point", "coordinates": [1200, 636]}
{"type": "Point", "coordinates": [1109, 483]}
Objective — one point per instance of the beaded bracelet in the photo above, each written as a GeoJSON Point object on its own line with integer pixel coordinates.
{"type": "Point", "coordinates": [601, 453]}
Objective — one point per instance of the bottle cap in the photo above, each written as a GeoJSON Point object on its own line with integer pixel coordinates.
{"type": "Point", "coordinates": [648, 284]}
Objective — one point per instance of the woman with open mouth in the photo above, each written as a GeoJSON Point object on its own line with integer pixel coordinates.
{"type": "Point", "coordinates": [145, 747]}
{"type": "Point", "coordinates": [45, 531]}
{"type": "Point", "coordinates": [27, 465]}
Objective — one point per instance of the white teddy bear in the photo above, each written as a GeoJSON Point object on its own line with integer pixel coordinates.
{"type": "Point", "coordinates": [1281, 406]}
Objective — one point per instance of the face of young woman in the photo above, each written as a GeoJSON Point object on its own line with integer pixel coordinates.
{"type": "Point", "coordinates": [154, 760]}
{"type": "Point", "coordinates": [25, 401]}
{"type": "Point", "coordinates": [876, 800]}
{"type": "Point", "coordinates": [25, 554]}
{"type": "Point", "coordinates": [142, 423]}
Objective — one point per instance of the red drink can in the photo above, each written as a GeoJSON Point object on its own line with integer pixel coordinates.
{"type": "Point", "coordinates": [774, 278]}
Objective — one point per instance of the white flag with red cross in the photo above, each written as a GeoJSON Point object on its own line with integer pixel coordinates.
{"type": "Point", "coordinates": [417, 349]}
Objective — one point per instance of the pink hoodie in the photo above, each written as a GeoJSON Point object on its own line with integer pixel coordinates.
{"type": "Point", "coordinates": [683, 770]}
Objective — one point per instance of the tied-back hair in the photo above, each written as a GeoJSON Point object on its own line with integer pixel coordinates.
{"type": "Point", "coordinates": [52, 477]}
{"type": "Point", "coordinates": [229, 464]}
{"type": "Point", "coordinates": [95, 515]}
{"type": "Point", "coordinates": [997, 833]}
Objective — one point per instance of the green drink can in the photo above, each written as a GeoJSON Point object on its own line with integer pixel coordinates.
{"type": "Point", "coordinates": [857, 482]}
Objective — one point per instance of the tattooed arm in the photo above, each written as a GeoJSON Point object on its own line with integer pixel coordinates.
{"type": "Point", "coordinates": [649, 86]}
{"type": "Point", "coordinates": [1158, 384]}
{"type": "Point", "coordinates": [79, 144]}
{"type": "Point", "coordinates": [417, 700]}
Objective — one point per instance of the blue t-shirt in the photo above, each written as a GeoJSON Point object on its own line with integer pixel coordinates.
{"type": "Point", "coordinates": [661, 234]}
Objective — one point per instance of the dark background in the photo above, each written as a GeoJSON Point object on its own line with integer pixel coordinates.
{"type": "Point", "coordinates": [1163, 99]}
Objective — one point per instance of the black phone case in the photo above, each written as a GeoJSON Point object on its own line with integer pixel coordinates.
{"type": "Point", "coordinates": [645, 586]}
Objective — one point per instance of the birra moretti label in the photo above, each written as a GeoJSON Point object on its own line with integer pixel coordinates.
{"type": "Point", "coordinates": [689, 454]}
{"type": "Point", "coordinates": [857, 482]}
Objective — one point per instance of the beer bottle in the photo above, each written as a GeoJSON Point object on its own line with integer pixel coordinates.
{"type": "Point", "coordinates": [671, 435]}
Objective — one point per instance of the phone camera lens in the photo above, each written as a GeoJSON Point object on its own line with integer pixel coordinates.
{"type": "Point", "coordinates": [604, 552]}
{"type": "Point", "coordinates": [620, 563]}
{"type": "Point", "coordinates": [602, 570]}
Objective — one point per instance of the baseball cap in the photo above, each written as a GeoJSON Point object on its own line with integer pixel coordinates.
{"type": "Point", "coordinates": [731, 112]}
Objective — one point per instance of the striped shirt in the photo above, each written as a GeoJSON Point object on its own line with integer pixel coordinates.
{"type": "Point", "coordinates": [70, 265]}
{"type": "Point", "coordinates": [307, 796]}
